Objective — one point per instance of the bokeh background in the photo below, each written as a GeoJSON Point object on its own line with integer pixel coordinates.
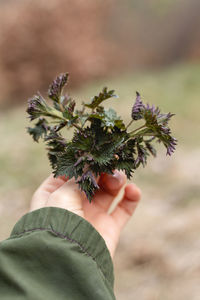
{"type": "Point", "coordinates": [147, 45]}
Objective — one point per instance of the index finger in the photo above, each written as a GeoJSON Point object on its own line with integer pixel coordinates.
{"type": "Point", "coordinates": [49, 185]}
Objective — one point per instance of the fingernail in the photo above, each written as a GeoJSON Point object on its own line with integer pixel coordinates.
{"type": "Point", "coordinates": [115, 180]}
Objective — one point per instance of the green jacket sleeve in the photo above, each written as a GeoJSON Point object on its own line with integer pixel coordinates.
{"type": "Point", "coordinates": [55, 254]}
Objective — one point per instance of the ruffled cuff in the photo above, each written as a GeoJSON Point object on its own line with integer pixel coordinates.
{"type": "Point", "coordinates": [71, 227]}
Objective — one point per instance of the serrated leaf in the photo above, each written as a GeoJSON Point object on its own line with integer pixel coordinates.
{"type": "Point", "coordinates": [150, 148]}
{"type": "Point", "coordinates": [65, 164]}
{"type": "Point", "coordinates": [126, 165]}
{"type": "Point", "coordinates": [104, 95]}
{"type": "Point", "coordinates": [109, 119]}
{"type": "Point", "coordinates": [101, 142]}
{"type": "Point", "coordinates": [40, 130]}
{"type": "Point", "coordinates": [83, 140]}
{"type": "Point", "coordinates": [88, 184]}
{"type": "Point", "coordinates": [105, 153]}
{"type": "Point", "coordinates": [137, 108]}
{"type": "Point", "coordinates": [57, 86]}
{"type": "Point", "coordinates": [37, 107]}
{"type": "Point", "coordinates": [67, 114]}
{"type": "Point", "coordinates": [56, 144]}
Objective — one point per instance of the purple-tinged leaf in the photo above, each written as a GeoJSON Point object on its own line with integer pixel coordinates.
{"type": "Point", "coordinates": [56, 87]}
{"type": "Point", "coordinates": [137, 108]}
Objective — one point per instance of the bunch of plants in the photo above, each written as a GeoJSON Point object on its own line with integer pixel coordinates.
{"type": "Point", "coordinates": [102, 141]}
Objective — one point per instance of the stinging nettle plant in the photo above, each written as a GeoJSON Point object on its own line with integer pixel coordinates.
{"type": "Point", "coordinates": [101, 141]}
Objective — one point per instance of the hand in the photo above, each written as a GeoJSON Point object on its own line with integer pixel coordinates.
{"type": "Point", "coordinates": [64, 193]}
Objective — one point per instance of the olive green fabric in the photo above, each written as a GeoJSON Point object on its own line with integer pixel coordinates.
{"type": "Point", "coordinates": [55, 254]}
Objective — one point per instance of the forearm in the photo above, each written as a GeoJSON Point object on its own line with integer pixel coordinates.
{"type": "Point", "coordinates": [53, 253]}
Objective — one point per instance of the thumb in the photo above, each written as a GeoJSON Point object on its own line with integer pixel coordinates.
{"type": "Point", "coordinates": [69, 197]}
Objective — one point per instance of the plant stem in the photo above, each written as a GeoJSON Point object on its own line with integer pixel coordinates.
{"type": "Point", "coordinates": [78, 127]}
{"type": "Point", "coordinates": [129, 124]}
{"type": "Point", "coordinates": [61, 107]}
{"type": "Point", "coordinates": [132, 132]}
{"type": "Point", "coordinates": [139, 133]}
{"type": "Point", "coordinates": [65, 120]}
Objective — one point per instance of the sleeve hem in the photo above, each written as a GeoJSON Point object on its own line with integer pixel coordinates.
{"type": "Point", "coordinates": [71, 227]}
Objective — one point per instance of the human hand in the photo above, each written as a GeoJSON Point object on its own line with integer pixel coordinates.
{"type": "Point", "coordinates": [64, 193]}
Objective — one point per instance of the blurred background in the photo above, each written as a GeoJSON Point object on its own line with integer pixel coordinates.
{"type": "Point", "coordinates": [147, 45]}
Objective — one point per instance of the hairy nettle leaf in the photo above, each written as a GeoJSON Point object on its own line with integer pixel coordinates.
{"type": "Point", "coordinates": [101, 141]}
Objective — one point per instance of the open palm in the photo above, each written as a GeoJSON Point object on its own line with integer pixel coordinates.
{"type": "Point", "coordinates": [63, 193]}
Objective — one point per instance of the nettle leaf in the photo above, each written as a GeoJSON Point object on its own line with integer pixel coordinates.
{"type": "Point", "coordinates": [83, 140]}
{"type": "Point", "coordinates": [37, 107]}
{"type": "Point", "coordinates": [126, 165]}
{"type": "Point", "coordinates": [101, 142]}
{"type": "Point", "coordinates": [40, 130]}
{"type": "Point", "coordinates": [68, 115]}
{"type": "Point", "coordinates": [104, 95]}
{"type": "Point", "coordinates": [88, 184]}
{"type": "Point", "coordinates": [65, 164]}
{"type": "Point", "coordinates": [150, 148]}
{"type": "Point", "coordinates": [137, 108]}
{"type": "Point", "coordinates": [109, 118]}
{"type": "Point", "coordinates": [57, 86]}
{"type": "Point", "coordinates": [106, 152]}
{"type": "Point", "coordinates": [141, 155]}
{"type": "Point", "coordinates": [56, 145]}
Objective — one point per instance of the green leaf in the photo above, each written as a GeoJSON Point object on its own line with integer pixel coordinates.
{"type": "Point", "coordinates": [104, 95]}
{"type": "Point", "coordinates": [83, 140]}
{"type": "Point", "coordinates": [39, 131]}
{"type": "Point", "coordinates": [101, 142]}
{"type": "Point", "coordinates": [56, 145]}
{"type": "Point", "coordinates": [105, 153]}
{"type": "Point", "coordinates": [65, 164]}
{"type": "Point", "coordinates": [127, 166]}
{"type": "Point", "coordinates": [67, 114]}
{"type": "Point", "coordinates": [88, 184]}
{"type": "Point", "coordinates": [150, 148]}
{"type": "Point", "coordinates": [37, 107]}
{"type": "Point", "coordinates": [109, 119]}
